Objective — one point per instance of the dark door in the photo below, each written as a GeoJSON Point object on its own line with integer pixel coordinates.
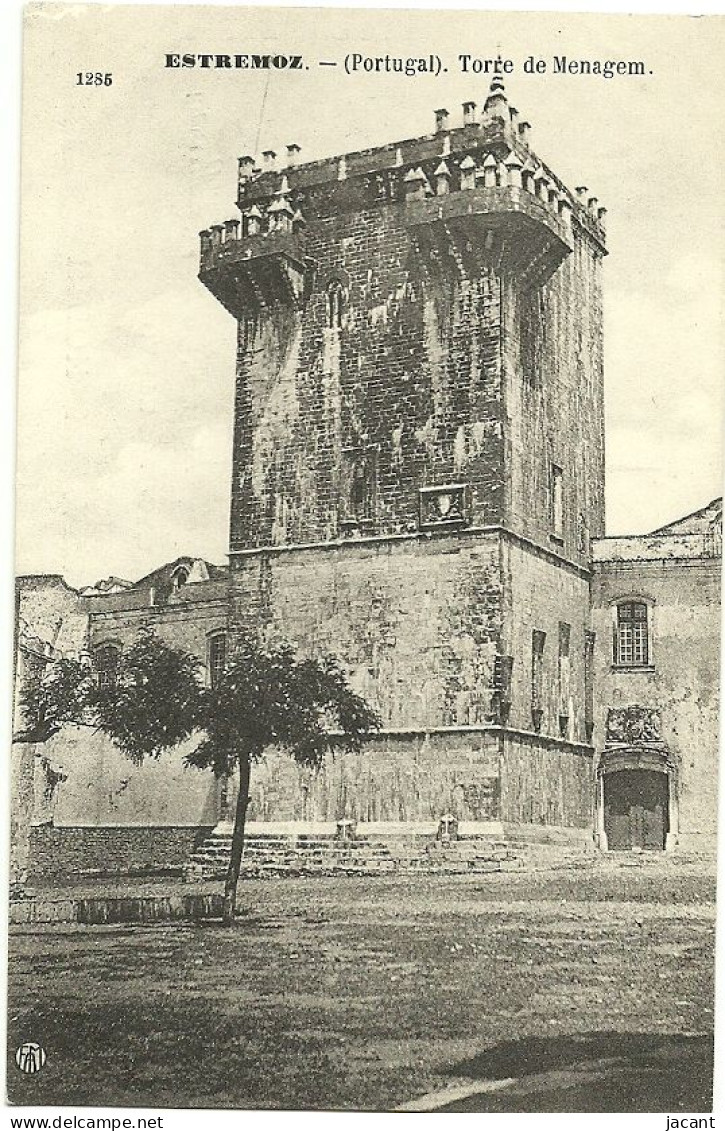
{"type": "Point", "coordinates": [636, 807]}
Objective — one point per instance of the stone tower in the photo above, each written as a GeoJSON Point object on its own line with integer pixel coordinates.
{"type": "Point", "coordinates": [419, 463]}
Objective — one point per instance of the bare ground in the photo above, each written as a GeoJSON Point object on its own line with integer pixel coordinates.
{"type": "Point", "coordinates": [572, 990]}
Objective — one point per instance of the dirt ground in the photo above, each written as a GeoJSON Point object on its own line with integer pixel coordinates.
{"type": "Point", "coordinates": [573, 990]}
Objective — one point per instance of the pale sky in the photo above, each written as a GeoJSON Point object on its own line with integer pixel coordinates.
{"type": "Point", "coordinates": [127, 362]}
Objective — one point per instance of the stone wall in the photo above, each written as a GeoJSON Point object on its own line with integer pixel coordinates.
{"type": "Point", "coordinates": [541, 594]}
{"type": "Point", "coordinates": [185, 621]}
{"type": "Point", "coordinates": [412, 778]}
{"type": "Point", "coordinates": [413, 374]}
{"type": "Point", "coordinates": [416, 622]}
{"type": "Point", "coordinates": [96, 785]}
{"type": "Point", "coordinates": [546, 783]}
{"type": "Point", "coordinates": [554, 398]}
{"type": "Point", "coordinates": [59, 853]}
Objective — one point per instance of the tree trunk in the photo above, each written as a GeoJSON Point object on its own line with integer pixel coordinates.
{"type": "Point", "coordinates": [235, 859]}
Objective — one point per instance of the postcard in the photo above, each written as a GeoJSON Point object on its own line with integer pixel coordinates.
{"type": "Point", "coordinates": [369, 536]}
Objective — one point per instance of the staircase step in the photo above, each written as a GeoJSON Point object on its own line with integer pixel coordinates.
{"type": "Point", "coordinates": [297, 853]}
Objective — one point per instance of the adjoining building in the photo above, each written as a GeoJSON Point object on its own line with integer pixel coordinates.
{"type": "Point", "coordinates": [80, 805]}
{"type": "Point", "coordinates": [418, 488]}
{"type": "Point", "coordinates": [656, 618]}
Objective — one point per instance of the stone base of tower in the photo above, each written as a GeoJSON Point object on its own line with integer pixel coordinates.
{"type": "Point", "coordinates": [481, 775]}
{"type": "Point", "coordinates": [465, 798]}
{"type": "Point", "coordinates": [478, 774]}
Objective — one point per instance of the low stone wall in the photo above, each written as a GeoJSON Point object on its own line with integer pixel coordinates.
{"type": "Point", "coordinates": [100, 910]}
{"type": "Point", "coordinates": [110, 850]}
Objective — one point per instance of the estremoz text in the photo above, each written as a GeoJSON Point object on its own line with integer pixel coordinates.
{"type": "Point", "coordinates": [237, 62]}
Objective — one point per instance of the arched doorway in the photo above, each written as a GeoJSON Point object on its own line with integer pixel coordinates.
{"type": "Point", "coordinates": [637, 800]}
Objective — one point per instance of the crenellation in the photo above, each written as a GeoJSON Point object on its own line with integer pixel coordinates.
{"type": "Point", "coordinates": [374, 171]}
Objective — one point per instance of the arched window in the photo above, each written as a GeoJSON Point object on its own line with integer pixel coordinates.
{"type": "Point", "coordinates": [631, 635]}
{"type": "Point", "coordinates": [335, 305]}
{"type": "Point", "coordinates": [180, 578]}
{"type": "Point", "coordinates": [105, 664]}
{"type": "Point", "coordinates": [217, 657]}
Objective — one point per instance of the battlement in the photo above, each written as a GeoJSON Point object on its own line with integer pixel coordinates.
{"type": "Point", "coordinates": [492, 151]}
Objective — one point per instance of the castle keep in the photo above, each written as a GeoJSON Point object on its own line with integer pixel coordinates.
{"type": "Point", "coordinates": [417, 488]}
{"type": "Point", "coordinates": [418, 461]}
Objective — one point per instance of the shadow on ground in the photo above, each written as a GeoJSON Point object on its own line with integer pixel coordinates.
{"type": "Point", "coordinates": [593, 1072]}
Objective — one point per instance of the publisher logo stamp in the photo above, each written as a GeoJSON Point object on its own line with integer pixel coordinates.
{"type": "Point", "coordinates": [30, 1057]}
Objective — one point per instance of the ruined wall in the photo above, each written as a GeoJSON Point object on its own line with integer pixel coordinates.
{"type": "Point", "coordinates": [554, 397]}
{"type": "Point", "coordinates": [413, 373]}
{"type": "Point", "coordinates": [682, 680]}
{"type": "Point", "coordinates": [79, 779]}
{"type": "Point", "coordinates": [49, 609]}
{"type": "Point", "coordinates": [185, 621]}
{"type": "Point", "coordinates": [101, 786]}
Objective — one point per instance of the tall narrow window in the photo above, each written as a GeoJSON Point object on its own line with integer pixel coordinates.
{"type": "Point", "coordinates": [564, 678]}
{"type": "Point", "coordinates": [538, 642]}
{"type": "Point", "coordinates": [501, 689]}
{"type": "Point", "coordinates": [335, 305]}
{"type": "Point", "coordinates": [589, 641]}
{"type": "Point", "coordinates": [631, 638]}
{"type": "Point", "coordinates": [217, 657]}
{"type": "Point", "coordinates": [532, 334]}
{"type": "Point", "coordinates": [357, 494]}
{"type": "Point", "coordinates": [556, 501]}
{"type": "Point", "coordinates": [105, 663]}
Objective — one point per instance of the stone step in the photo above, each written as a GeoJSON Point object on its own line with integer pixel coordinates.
{"type": "Point", "coordinates": [300, 853]}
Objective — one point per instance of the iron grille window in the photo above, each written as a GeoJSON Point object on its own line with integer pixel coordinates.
{"type": "Point", "coordinates": [217, 658]}
{"type": "Point", "coordinates": [105, 662]}
{"type": "Point", "coordinates": [631, 639]}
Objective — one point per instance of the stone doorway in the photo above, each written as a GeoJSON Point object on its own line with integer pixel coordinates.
{"type": "Point", "coordinates": [636, 810]}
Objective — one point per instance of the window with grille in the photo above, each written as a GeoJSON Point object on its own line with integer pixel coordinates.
{"type": "Point", "coordinates": [631, 641]}
{"type": "Point", "coordinates": [105, 664]}
{"type": "Point", "coordinates": [217, 658]}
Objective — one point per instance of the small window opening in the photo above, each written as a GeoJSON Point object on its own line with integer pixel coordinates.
{"type": "Point", "coordinates": [335, 305]}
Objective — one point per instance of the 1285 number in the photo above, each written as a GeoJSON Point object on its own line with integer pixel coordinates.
{"type": "Point", "coordinates": [90, 78]}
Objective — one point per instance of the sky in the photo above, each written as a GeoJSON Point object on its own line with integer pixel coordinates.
{"type": "Point", "coordinates": [126, 363]}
